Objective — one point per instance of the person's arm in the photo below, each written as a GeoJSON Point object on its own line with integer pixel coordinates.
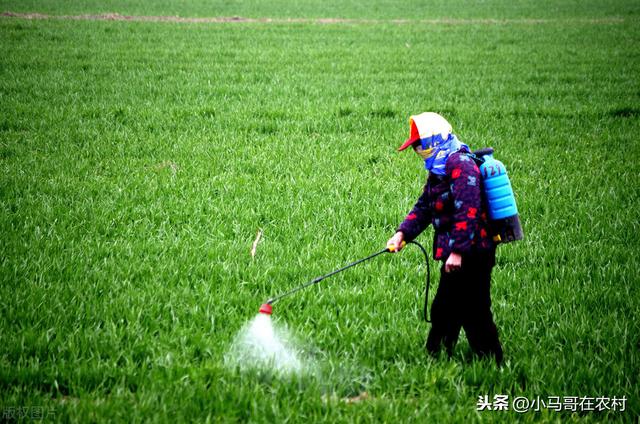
{"type": "Point", "coordinates": [414, 223]}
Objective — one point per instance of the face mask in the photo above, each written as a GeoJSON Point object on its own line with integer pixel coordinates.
{"type": "Point", "coordinates": [437, 151]}
{"type": "Point", "coordinates": [424, 154]}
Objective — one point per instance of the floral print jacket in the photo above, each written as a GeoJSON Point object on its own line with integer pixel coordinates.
{"type": "Point", "coordinates": [454, 204]}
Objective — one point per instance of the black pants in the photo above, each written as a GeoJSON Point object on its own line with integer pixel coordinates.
{"type": "Point", "coordinates": [463, 300]}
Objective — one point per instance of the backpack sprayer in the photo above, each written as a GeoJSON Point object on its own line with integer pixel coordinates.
{"type": "Point", "coordinates": [267, 309]}
{"type": "Point", "coordinates": [503, 212]}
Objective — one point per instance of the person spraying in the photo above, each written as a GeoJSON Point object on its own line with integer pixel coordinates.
{"type": "Point", "coordinates": [452, 202]}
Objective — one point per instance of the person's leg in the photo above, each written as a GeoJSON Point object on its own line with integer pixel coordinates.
{"type": "Point", "coordinates": [445, 316]}
{"type": "Point", "coordinates": [477, 319]}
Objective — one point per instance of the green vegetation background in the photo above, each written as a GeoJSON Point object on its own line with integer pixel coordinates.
{"type": "Point", "coordinates": [138, 161]}
{"type": "Point", "coordinates": [374, 9]}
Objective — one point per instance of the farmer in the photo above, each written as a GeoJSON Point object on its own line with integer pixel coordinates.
{"type": "Point", "coordinates": [452, 202]}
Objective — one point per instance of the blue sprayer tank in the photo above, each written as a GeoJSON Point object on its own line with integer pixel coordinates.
{"type": "Point", "coordinates": [501, 203]}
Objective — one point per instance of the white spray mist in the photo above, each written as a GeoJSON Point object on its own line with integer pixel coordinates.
{"type": "Point", "coordinates": [259, 345]}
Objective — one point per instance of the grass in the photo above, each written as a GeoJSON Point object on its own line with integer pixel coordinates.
{"type": "Point", "coordinates": [138, 161]}
{"type": "Point", "coordinates": [376, 9]}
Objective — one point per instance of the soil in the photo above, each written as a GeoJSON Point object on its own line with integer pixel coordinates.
{"type": "Point", "coordinates": [240, 19]}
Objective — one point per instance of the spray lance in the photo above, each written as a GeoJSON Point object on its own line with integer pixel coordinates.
{"type": "Point", "coordinates": [267, 309]}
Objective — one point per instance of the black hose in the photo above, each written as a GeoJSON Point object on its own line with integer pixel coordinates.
{"type": "Point", "coordinates": [426, 288]}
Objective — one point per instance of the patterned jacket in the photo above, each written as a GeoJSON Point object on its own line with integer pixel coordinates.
{"type": "Point", "coordinates": [454, 205]}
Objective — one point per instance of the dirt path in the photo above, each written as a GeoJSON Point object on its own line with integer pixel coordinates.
{"type": "Point", "coordinates": [239, 19]}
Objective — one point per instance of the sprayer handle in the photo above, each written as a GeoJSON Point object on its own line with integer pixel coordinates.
{"type": "Point", "coordinates": [393, 248]}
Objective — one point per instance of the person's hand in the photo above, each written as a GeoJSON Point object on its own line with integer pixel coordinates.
{"type": "Point", "coordinates": [454, 263]}
{"type": "Point", "coordinates": [396, 243]}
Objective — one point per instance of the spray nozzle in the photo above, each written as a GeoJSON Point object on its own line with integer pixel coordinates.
{"type": "Point", "coordinates": [266, 309]}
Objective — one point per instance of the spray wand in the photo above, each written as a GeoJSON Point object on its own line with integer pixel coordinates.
{"type": "Point", "coordinates": [267, 309]}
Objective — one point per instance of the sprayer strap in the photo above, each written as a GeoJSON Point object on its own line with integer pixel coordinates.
{"type": "Point", "coordinates": [478, 155]}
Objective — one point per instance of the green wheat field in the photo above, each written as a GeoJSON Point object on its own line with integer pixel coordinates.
{"type": "Point", "coordinates": [139, 159]}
